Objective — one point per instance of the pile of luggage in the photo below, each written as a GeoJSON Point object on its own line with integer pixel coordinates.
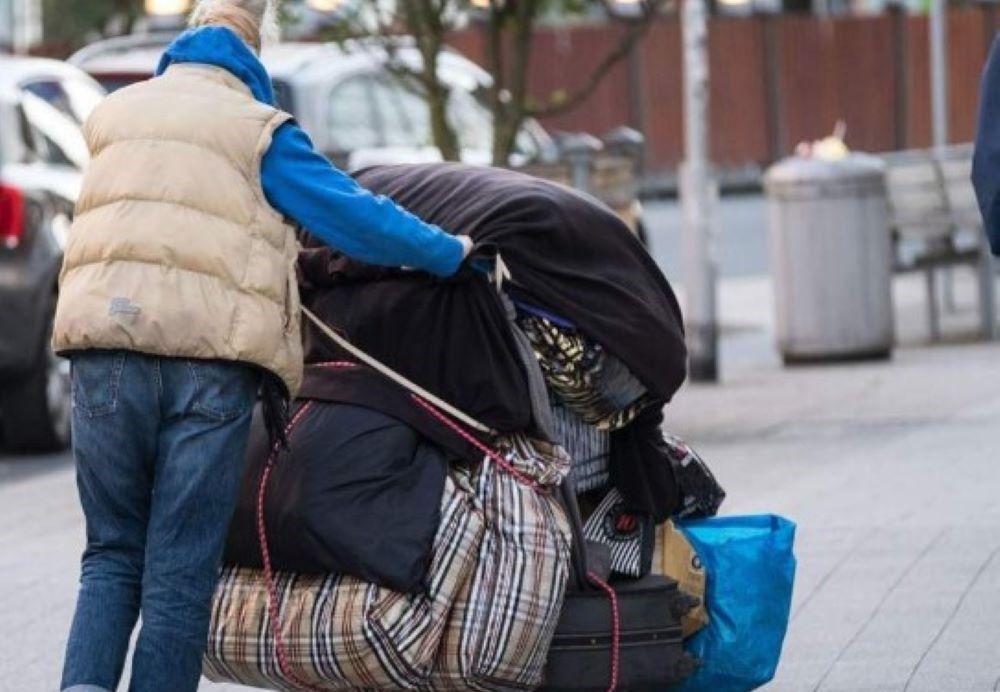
{"type": "Point", "coordinates": [477, 492]}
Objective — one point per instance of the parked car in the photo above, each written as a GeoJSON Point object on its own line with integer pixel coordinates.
{"type": "Point", "coordinates": [355, 111]}
{"type": "Point", "coordinates": [122, 60]}
{"type": "Point", "coordinates": [42, 152]}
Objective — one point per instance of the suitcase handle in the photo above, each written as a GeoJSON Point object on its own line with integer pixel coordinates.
{"type": "Point", "coordinates": [586, 565]}
{"type": "Point", "coordinates": [578, 550]}
{"type": "Point", "coordinates": [586, 579]}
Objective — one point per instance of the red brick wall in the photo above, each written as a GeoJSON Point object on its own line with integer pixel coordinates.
{"type": "Point", "coordinates": [825, 69]}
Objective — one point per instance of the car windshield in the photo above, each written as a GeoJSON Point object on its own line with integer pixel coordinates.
{"type": "Point", "coordinates": [405, 122]}
{"type": "Point", "coordinates": [15, 135]}
{"type": "Point", "coordinates": [73, 97]}
{"type": "Point", "coordinates": [53, 135]}
{"type": "Point", "coordinates": [471, 119]}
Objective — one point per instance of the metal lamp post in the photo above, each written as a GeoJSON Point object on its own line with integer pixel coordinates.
{"type": "Point", "coordinates": [699, 195]}
{"type": "Point", "coordinates": [698, 191]}
{"type": "Point", "coordinates": [939, 72]}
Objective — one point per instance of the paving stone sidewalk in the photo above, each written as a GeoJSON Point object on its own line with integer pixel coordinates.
{"type": "Point", "coordinates": [891, 469]}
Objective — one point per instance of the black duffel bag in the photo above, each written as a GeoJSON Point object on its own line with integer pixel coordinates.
{"type": "Point", "coordinates": [357, 492]}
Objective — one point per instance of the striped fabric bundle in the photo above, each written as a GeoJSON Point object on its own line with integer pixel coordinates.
{"type": "Point", "coordinates": [631, 538]}
{"type": "Point", "coordinates": [495, 589]}
{"type": "Point", "coordinates": [585, 377]}
{"type": "Point", "coordinates": [588, 447]}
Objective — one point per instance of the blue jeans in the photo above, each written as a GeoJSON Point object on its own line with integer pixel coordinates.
{"type": "Point", "coordinates": [159, 446]}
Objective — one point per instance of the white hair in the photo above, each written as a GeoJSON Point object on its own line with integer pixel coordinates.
{"type": "Point", "coordinates": [256, 21]}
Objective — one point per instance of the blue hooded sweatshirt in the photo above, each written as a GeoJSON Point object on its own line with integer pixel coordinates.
{"type": "Point", "coordinates": [307, 188]}
{"type": "Point", "coordinates": [986, 160]}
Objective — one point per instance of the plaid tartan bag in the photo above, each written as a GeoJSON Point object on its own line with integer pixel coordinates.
{"type": "Point", "coordinates": [500, 629]}
{"type": "Point", "coordinates": [339, 632]}
{"type": "Point", "coordinates": [496, 585]}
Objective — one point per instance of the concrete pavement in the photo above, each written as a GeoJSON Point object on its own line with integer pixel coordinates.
{"type": "Point", "coordinates": [890, 469]}
{"type": "Point", "coordinates": [891, 472]}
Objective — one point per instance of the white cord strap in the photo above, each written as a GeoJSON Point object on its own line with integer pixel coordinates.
{"type": "Point", "coordinates": [501, 273]}
{"type": "Point", "coordinates": [395, 376]}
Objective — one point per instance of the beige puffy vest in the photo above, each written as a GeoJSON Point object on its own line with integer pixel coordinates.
{"type": "Point", "coordinates": [174, 249]}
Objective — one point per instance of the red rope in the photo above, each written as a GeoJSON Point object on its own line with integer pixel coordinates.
{"type": "Point", "coordinates": [272, 590]}
{"type": "Point", "coordinates": [520, 476]}
{"type": "Point", "coordinates": [616, 627]}
{"type": "Point", "coordinates": [454, 427]}
{"type": "Point", "coordinates": [594, 579]}
{"type": "Point", "coordinates": [335, 364]}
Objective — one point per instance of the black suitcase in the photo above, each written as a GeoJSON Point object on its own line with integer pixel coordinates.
{"type": "Point", "coordinates": [649, 657]}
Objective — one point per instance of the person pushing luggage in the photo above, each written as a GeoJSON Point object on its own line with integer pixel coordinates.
{"type": "Point", "coordinates": [178, 302]}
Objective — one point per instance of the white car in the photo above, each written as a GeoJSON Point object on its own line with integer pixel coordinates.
{"type": "Point", "coordinates": [354, 110]}
{"type": "Point", "coordinates": [42, 103]}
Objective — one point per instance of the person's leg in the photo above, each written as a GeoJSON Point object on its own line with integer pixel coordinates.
{"type": "Point", "coordinates": [207, 411]}
{"type": "Point", "coordinates": [115, 422]}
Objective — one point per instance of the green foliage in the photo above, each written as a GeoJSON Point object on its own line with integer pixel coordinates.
{"type": "Point", "coordinates": [74, 22]}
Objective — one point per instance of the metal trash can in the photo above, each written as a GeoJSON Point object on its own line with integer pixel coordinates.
{"type": "Point", "coordinates": [831, 258]}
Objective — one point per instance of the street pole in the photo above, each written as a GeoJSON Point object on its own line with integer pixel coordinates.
{"type": "Point", "coordinates": [939, 72]}
{"type": "Point", "coordinates": [938, 36]}
{"type": "Point", "coordinates": [698, 196]}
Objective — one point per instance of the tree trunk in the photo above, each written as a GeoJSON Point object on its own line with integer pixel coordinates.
{"type": "Point", "coordinates": [495, 65]}
{"type": "Point", "coordinates": [509, 115]}
{"type": "Point", "coordinates": [129, 11]}
{"type": "Point", "coordinates": [444, 135]}
{"type": "Point", "coordinates": [512, 25]}
{"type": "Point", "coordinates": [505, 131]}
{"type": "Point", "coordinates": [425, 24]}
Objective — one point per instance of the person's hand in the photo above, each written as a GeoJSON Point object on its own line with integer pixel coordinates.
{"type": "Point", "coordinates": [467, 245]}
{"type": "Point", "coordinates": [479, 258]}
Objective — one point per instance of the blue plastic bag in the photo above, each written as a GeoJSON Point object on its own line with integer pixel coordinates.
{"type": "Point", "coordinates": [750, 570]}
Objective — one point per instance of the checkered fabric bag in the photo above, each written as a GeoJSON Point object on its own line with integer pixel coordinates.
{"type": "Point", "coordinates": [499, 632]}
{"type": "Point", "coordinates": [340, 632]}
{"type": "Point", "coordinates": [495, 590]}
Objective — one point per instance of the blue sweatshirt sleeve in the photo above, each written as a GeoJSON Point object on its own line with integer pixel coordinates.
{"type": "Point", "coordinates": [986, 159]}
{"type": "Point", "coordinates": [329, 204]}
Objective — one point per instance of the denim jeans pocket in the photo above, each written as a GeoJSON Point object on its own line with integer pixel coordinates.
{"type": "Point", "coordinates": [223, 391]}
{"type": "Point", "coordinates": [96, 379]}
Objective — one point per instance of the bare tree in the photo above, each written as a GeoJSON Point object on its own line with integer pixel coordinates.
{"type": "Point", "coordinates": [72, 23]}
{"type": "Point", "coordinates": [509, 27]}
{"type": "Point", "coordinates": [388, 30]}
{"type": "Point", "coordinates": [510, 30]}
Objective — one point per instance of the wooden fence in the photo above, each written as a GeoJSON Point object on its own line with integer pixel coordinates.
{"type": "Point", "coordinates": [775, 81]}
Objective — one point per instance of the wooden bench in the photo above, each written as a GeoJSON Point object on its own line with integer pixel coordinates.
{"type": "Point", "coordinates": [935, 223]}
